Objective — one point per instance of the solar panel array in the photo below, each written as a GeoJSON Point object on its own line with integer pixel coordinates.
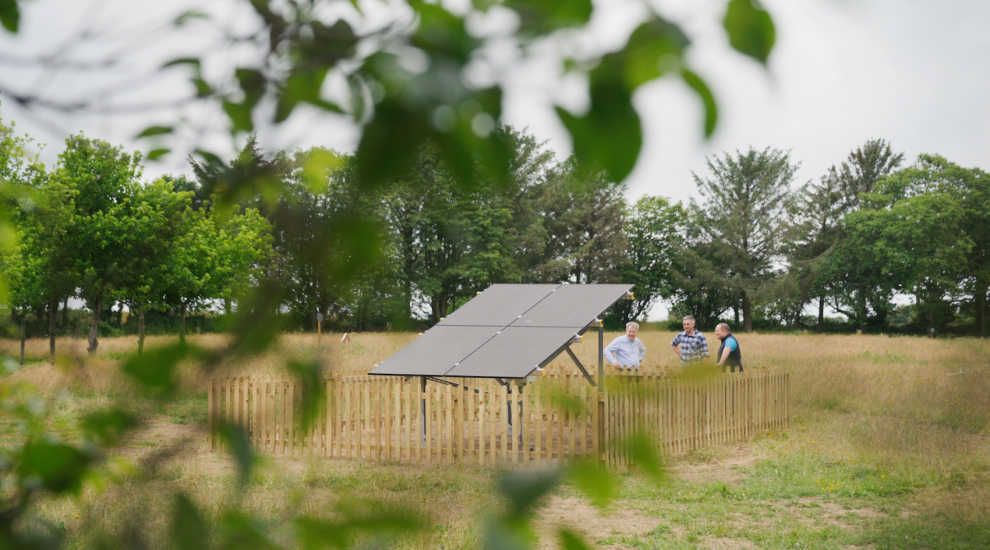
{"type": "Point", "coordinates": [506, 331]}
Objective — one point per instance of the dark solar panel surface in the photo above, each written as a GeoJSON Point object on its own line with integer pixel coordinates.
{"type": "Point", "coordinates": [504, 332]}
{"type": "Point", "coordinates": [436, 351]}
{"type": "Point", "coordinates": [572, 306]}
{"type": "Point", "coordinates": [513, 353]}
{"type": "Point", "coordinates": [498, 305]}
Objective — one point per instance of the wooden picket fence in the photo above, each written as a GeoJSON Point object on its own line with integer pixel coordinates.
{"type": "Point", "coordinates": [559, 418]}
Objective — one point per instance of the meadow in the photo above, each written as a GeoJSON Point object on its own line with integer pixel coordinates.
{"type": "Point", "coordinates": [888, 447]}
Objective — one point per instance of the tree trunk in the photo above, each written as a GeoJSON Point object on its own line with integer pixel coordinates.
{"type": "Point", "coordinates": [182, 323]}
{"type": "Point", "coordinates": [821, 314]}
{"type": "Point", "coordinates": [140, 306]}
{"type": "Point", "coordinates": [980, 297]}
{"type": "Point", "coordinates": [747, 313]}
{"type": "Point", "coordinates": [94, 327]}
{"type": "Point", "coordinates": [23, 335]}
{"type": "Point", "coordinates": [120, 314]}
{"type": "Point", "coordinates": [65, 312]}
{"type": "Point", "coordinates": [226, 306]}
{"type": "Point", "coordinates": [52, 311]}
{"type": "Point", "coordinates": [735, 314]}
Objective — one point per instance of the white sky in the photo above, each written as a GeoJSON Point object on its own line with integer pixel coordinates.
{"type": "Point", "coordinates": [915, 72]}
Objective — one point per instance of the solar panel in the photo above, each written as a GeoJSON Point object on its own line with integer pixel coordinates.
{"type": "Point", "coordinates": [572, 306]}
{"type": "Point", "coordinates": [513, 353]}
{"type": "Point", "coordinates": [436, 351]}
{"type": "Point", "coordinates": [498, 305]}
{"type": "Point", "coordinates": [506, 331]}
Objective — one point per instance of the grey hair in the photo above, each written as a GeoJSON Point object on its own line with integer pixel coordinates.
{"type": "Point", "coordinates": [632, 324]}
{"type": "Point", "coordinates": [689, 318]}
{"type": "Point", "coordinates": [724, 326]}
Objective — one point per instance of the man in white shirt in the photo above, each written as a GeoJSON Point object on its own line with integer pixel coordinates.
{"type": "Point", "coordinates": [626, 350]}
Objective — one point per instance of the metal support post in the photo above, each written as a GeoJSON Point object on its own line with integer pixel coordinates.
{"type": "Point", "coordinates": [422, 409]}
{"type": "Point", "coordinates": [508, 403]}
{"type": "Point", "coordinates": [601, 358]}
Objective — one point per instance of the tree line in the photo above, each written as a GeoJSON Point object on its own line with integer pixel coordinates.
{"type": "Point", "coordinates": [756, 249]}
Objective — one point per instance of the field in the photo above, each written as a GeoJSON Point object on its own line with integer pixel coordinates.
{"type": "Point", "coordinates": [889, 447]}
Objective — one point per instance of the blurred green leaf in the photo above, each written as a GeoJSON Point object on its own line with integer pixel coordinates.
{"type": "Point", "coordinates": [156, 154]}
{"type": "Point", "coordinates": [240, 448]}
{"type": "Point", "coordinates": [313, 390]}
{"type": "Point", "coordinates": [107, 427]}
{"type": "Point", "coordinates": [155, 131]}
{"type": "Point", "coordinates": [509, 533]}
{"type": "Point", "coordinates": [594, 481]}
{"type": "Point", "coordinates": [609, 136]}
{"type": "Point", "coordinates": [523, 489]}
{"type": "Point", "coordinates": [239, 115]}
{"type": "Point", "coordinates": [203, 89]}
{"type": "Point", "coordinates": [241, 532]}
{"type": "Point", "coordinates": [642, 451]}
{"type": "Point", "coordinates": [653, 48]}
{"type": "Point", "coordinates": [701, 88]}
{"type": "Point", "coordinates": [545, 16]}
{"type": "Point", "coordinates": [209, 157]}
{"type": "Point", "coordinates": [10, 15]}
{"type": "Point", "coordinates": [183, 61]}
{"type": "Point", "coordinates": [53, 466]}
{"type": "Point", "coordinates": [185, 17]}
{"type": "Point", "coordinates": [382, 524]}
{"type": "Point", "coordinates": [570, 540]}
{"type": "Point", "coordinates": [750, 29]}
{"type": "Point", "coordinates": [441, 33]}
{"type": "Point", "coordinates": [303, 87]}
{"type": "Point", "coordinates": [155, 369]}
{"type": "Point", "coordinates": [189, 531]}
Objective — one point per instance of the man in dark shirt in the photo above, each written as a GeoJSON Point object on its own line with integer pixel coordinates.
{"type": "Point", "coordinates": [729, 353]}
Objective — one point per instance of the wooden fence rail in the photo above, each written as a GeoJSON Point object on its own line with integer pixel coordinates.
{"type": "Point", "coordinates": [559, 418]}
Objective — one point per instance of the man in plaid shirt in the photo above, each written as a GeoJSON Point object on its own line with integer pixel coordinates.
{"type": "Point", "coordinates": [693, 346]}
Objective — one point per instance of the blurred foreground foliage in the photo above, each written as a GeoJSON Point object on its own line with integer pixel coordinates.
{"type": "Point", "coordinates": [401, 107]}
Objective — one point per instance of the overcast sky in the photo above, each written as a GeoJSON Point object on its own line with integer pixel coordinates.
{"type": "Point", "coordinates": [916, 72]}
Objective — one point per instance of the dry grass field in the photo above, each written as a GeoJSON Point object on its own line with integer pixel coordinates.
{"type": "Point", "coordinates": [889, 447]}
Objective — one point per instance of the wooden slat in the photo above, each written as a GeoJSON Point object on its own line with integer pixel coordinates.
{"type": "Point", "coordinates": [503, 401]}
{"type": "Point", "coordinates": [538, 430]}
{"type": "Point", "coordinates": [365, 424]}
{"type": "Point", "coordinates": [391, 412]}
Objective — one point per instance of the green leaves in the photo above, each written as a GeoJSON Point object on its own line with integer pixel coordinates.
{"type": "Point", "coordinates": [240, 448]}
{"type": "Point", "coordinates": [313, 390]}
{"type": "Point", "coordinates": [382, 524]}
{"type": "Point", "coordinates": [189, 531]}
{"type": "Point", "coordinates": [10, 15]}
{"type": "Point", "coordinates": [545, 16]}
{"type": "Point", "coordinates": [107, 427]}
{"type": "Point", "coordinates": [594, 481]}
{"type": "Point", "coordinates": [432, 107]}
{"type": "Point", "coordinates": [711, 109]}
{"type": "Point", "coordinates": [155, 369]}
{"type": "Point", "coordinates": [569, 540]}
{"type": "Point", "coordinates": [750, 29]}
{"type": "Point", "coordinates": [642, 451]}
{"type": "Point", "coordinates": [155, 131]}
{"type": "Point", "coordinates": [610, 134]}
{"type": "Point", "coordinates": [56, 467]}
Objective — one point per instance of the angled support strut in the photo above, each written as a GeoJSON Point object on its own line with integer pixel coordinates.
{"type": "Point", "coordinates": [580, 366]}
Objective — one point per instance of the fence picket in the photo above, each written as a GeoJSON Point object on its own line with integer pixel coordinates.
{"type": "Point", "coordinates": [556, 420]}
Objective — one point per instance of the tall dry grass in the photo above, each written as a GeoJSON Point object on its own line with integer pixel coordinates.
{"type": "Point", "coordinates": [915, 407]}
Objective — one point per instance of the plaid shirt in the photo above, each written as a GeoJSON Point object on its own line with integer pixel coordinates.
{"type": "Point", "coordinates": [693, 348]}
